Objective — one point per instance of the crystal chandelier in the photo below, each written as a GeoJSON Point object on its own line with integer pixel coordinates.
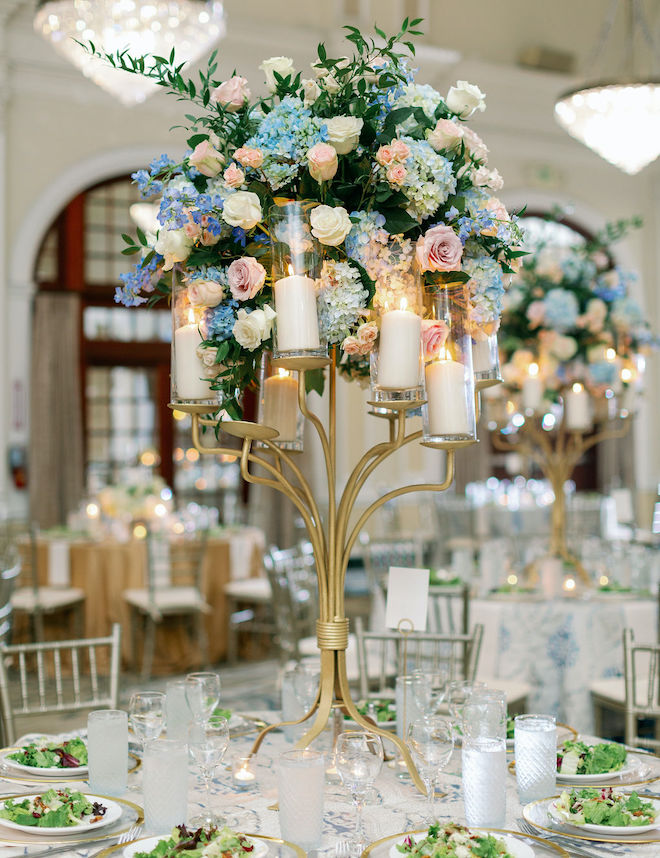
{"type": "Point", "coordinates": [619, 120]}
{"type": "Point", "coordinates": [191, 27]}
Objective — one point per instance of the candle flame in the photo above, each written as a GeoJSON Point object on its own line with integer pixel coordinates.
{"type": "Point", "coordinates": [191, 316]}
{"type": "Point", "coordinates": [533, 370]}
{"type": "Point", "coordinates": [283, 373]}
{"type": "Point", "coordinates": [289, 268]}
{"type": "Point", "coordinates": [577, 387]}
{"type": "Point", "coordinates": [610, 354]}
{"type": "Point", "coordinates": [569, 584]}
{"type": "Point", "coordinates": [626, 374]}
{"type": "Point", "coordinates": [403, 304]}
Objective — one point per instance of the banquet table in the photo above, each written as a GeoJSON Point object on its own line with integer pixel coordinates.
{"type": "Point", "coordinates": [104, 569]}
{"type": "Point", "coordinates": [398, 806]}
{"type": "Point", "coordinates": [559, 646]}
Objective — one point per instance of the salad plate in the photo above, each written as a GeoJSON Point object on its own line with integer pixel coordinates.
{"type": "Point", "coordinates": [517, 844]}
{"type": "Point", "coordinates": [53, 758]}
{"type": "Point", "coordinates": [385, 712]}
{"type": "Point", "coordinates": [90, 812]}
{"type": "Point", "coordinates": [592, 763]}
{"type": "Point", "coordinates": [148, 844]}
{"type": "Point", "coordinates": [514, 847]}
{"type": "Point", "coordinates": [615, 804]}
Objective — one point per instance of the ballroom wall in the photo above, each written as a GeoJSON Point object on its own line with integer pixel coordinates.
{"type": "Point", "coordinates": [59, 134]}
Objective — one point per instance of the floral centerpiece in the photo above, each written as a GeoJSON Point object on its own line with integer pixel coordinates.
{"type": "Point", "coordinates": [569, 315]}
{"type": "Point", "coordinates": [374, 154]}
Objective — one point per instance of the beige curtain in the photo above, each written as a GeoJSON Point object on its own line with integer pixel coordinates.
{"type": "Point", "coordinates": [56, 440]}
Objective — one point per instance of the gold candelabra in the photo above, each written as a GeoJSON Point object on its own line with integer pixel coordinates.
{"type": "Point", "coordinates": [333, 539]}
{"type": "Point", "coordinates": [557, 453]}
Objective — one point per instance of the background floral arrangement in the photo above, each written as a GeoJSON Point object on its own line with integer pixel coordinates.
{"type": "Point", "coordinates": [380, 154]}
{"type": "Point", "coordinates": [569, 311]}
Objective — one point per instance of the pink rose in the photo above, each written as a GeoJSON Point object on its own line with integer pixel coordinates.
{"type": "Point", "coordinates": [205, 293]}
{"type": "Point", "coordinates": [536, 313]}
{"type": "Point", "coordinates": [193, 230]}
{"type": "Point", "coordinates": [351, 346]}
{"type": "Point", "coordinates": [475, 145]}
{"type": "Point", "coordinates": [439, 249]}
{"type": "Point", "coordinates": [322, 162]}
{"type": "Point", "coordinates": [233, 176]}
{"type": "Point", "coordinates": [396, 174]}
{"type": "Point", "coordinates": [446, 135]}
{"type": "Point", "coordinates": [401, 150]}
{"type": "Point", "coordinates": [208, 239]}
{"type": "Point", "coordinates": [205, 158]}
{"type": "Point", "coordinates": [366, 335]}
{"type": "Point", "coordinates": [246, 277]}
{"type": "Point", "coordinates": [498, 214]}
{"type": "Point", "coordinates": [247, 157]}
{"type": "Point", "coordinates": [434, 335]}
{"type": "Point", "coordinates": [385, 155]}
{"type": "Point", "coordinates": [485, 178]}
{"type": "Point", "coordinates": [232, 94]}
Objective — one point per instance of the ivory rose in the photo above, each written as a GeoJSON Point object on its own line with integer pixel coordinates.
{"type": "Point", "coordinates": [205, 158]}
{"type": "Point", "coordinates": [434, 336]}
{"type": "Point", "coordinates": [396, 174]}
{"type": "Point", "coordinates": [322, 162]}
{"type": "Point", "coordinates": [475, 145]}
{"type": "Point", "coordinates": [242, 209]}
{"type": "Point", "coordinates": [439, 249]}
{"type": "Point", "coordinates": [351, 346]}
{"type": "Point", "coordinates": [251, 329]}
{"type": "Point", "coordinates": [446, 135]}
{"type": "Point", "coordinates": [282, 65]}
{"type": "Point", "coordinates": [344, 133]}
{"type": "Point", "coordinates": [205, 293]}
{"type": "Point", "coordinates": [366, 335]}
{"type": "Point", "coordinates": [232, 94]}
{"type": "Point", "coordinates": [330, 225]}
{"type": "Point", "coordinates": [246, 278]}
{"type": "Point", "coordinates": [464, 98]}
{"type": "Point", "coordinates": [536, 313]}
{"type": "Point", "coordinates": [594, 316]}
{"type": "Point", "coordinates": [233, 176]}
{"type": "Point", "coordinates": [311, 91]}
{"type": "Point", "coordinates": [247, 157]}
{"type": "Point", "coordinates": [174, 245]}
{"type": "Point", "coordinates": [485, 178]}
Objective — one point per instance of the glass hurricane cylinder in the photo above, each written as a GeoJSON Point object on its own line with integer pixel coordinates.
{"type": "Point", "coordinates": [191, 374]}
{"type": "Point", "coordinates": [278, 404]}
{"type": "Point", "coordinates": [296, 268]}
{"type": "Point", "coordinates": [396, 361]}
{"type": "Point", "coordinates": [485, 359]}
{"type": "Point", "coordinates": [449, 412]}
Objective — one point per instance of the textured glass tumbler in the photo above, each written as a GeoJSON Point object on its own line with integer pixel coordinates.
{"type": "Point", "coordinates": [484, 782]}
{"type": "Point", "coordinates": [165, 785]}
{"type": "Point", "coordinates": [535, 739]}
{"type": "Point", "coordinates": [177, 711]}
{"type": "Point", "coordinates": [107, 747]}
{"type": "Point", "coordinates": [300, 783]}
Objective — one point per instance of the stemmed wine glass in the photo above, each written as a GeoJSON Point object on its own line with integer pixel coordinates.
{"type": "Point", "coordinates": [202, 694]}
{"type": "Point", "coordinates": [429, 690]}
{"type": "Point", "coordinates": [431, 743]}
{"type": "Point", "coordinates": [146, 710]}
{"type": "Point", "coordinates": [358, 759]}
{"type": "Point", "coordinates": [207, 745]}
{"type": "Point", "coordinates": [306, 684]}
{"type": "Point", "coordinates": [458, 694]}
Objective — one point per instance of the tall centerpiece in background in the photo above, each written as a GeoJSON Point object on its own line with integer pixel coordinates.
{"type": "Point", "coordinates": [573, 341]}
{"type": "Point", "coordinates": [345, 221]}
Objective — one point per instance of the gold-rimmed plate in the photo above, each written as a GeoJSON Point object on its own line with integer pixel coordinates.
{"type": "Point", "coordinates": [25, 776]}
{"type": "Point", "coordinates": [640, 773]}
{"type": "Point", "coordinates": [537, 813]}
{"type": "Point", "coordinates": [132, 814]}
{"type": "Point", "coordinates": [296, 851]}
{"type": "Point", "coordinates": [508, 835]}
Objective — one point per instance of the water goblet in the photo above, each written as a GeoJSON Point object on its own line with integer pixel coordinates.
{"type": "Point", "coordinates": [306, 684]}
{"type": "Point", "coordinates": [202, 694]}
{"type": "Point", "coordinates": [431, 743]}
{"type": "Point", "coordinates": [358, 760]}
{"type": "Point", "coordinates": [429, 690]}
{"type": "Point", "coordinates": [146, 710]}
{"type": "Point", "coordinates": [207, 745]}
{"type": "Point", "coordinates": [458, 693]}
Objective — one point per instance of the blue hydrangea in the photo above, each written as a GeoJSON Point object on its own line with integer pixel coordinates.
{"type": "Point", "coordinates": [219, 321]}
{"type": "Point", "coordinates": [486, 287]}
{"type": "Point", "coordinates": [626, 313]}
{"type": "Point", "coordinates": [612, 285]}
{"type": "Point", "coordinates": [416, 95]}
{"type": "Point", "coordinates": [207, 272]}
{"type": "Point", "coordinates": [603, 372]}
{"type": "Point", "coordinates": [341, 297]}
{"type": "Point", "coordinates": [284, 136]}
{"type": "Point", "coordinates": [577, 268]}
{"type": "Point", "coordinates": [561, 310]}
{"type": "Point", "coordinates": [141, 279]}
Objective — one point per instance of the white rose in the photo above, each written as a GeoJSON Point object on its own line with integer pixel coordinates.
{"type": "Point", "coordinates": [344, 133]}
{"type": "Point", "coordinates": [446, 135]}
{"type": "Point", "coordinates": [464, 98]}
{"type": "Point", "coordinates": [311, 91]}
{"type": "Point", "coordinates": [242, 209]}
{"type": "Point", "coordinates": [330, 82]}
{"type": "Point", "coordinates": [174, 245]}
{"type": "Point", "coordinates": [483, 177]}
{"type": "Point", "coordinates": [251, 329]}
{"type": "Point", "coordinates": [282, 65]}
{"type": "Point", "coordinates": [330, 225]}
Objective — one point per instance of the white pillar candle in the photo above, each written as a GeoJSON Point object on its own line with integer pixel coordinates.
{"type": "Point", "coordinates": [577, 410]}
{"type": "Point", "coordinates": [281, 405]}
{"type": "Point", "coordinates": [532, 389]}
{"type": "Point", "coordinates": [482, 360]}
{"type": "Point", "coordinates": [447, 401]}
{"type": "Point", "coordinates": [399, 350]}
{"type": "Point", "coordinates": [188, 368]}
{"type": "Point", "coordinates": [297, 319]}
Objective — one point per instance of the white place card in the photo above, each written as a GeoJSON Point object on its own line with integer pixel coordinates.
{"type": "Point", "coordinates": [407, 597]}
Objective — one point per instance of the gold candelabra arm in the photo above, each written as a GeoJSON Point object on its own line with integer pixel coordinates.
{"type": "Point", "coordinates": [201, 448]}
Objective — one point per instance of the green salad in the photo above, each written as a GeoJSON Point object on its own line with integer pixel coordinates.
{"type": "Point", "coordinates": [604, 807]}
{"type": "Point", "coordinates": [220, 713]}
{"type": "Point", "coordinates": [201, 843]}
{"type": "Point", "coordinates": [578, 758]}
{"type": "Point", "coordinates": [52, 755]}
{"type": "Point", "coordinates": [57, 808]}
{"type": "Point", "coordinates": [453, 840]}
{"type": "Point", "coordinates": [383, 709]}
{"type": "Point", "coordinates": [440, 578]}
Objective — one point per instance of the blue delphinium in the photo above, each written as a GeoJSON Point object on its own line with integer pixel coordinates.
{"type": "Point", "coordinates": [141, 279]}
